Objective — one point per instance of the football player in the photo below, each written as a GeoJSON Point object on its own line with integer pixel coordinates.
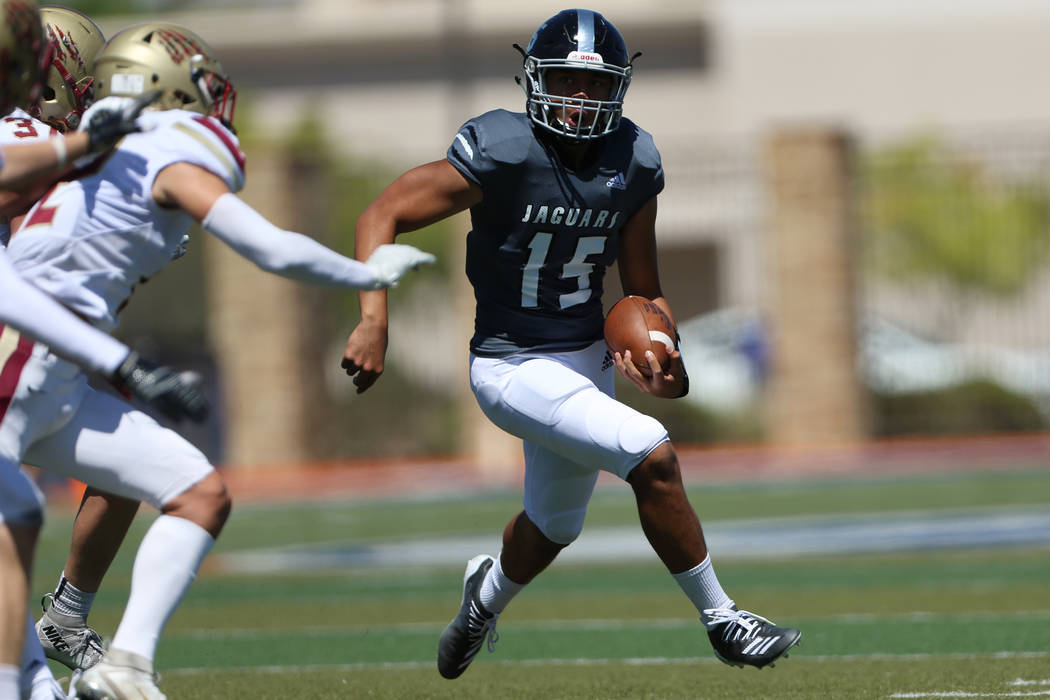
{"type": "Point", "coordinates": [27, 53]}
{"type": "Point", "coordinates": [556, 194]}
{"type": "Point", "coordinates": [66, 91]}
{"type": "Point", "coordinates": [23, 52]}
{"type": "Point", "coordinates": [87, 243]}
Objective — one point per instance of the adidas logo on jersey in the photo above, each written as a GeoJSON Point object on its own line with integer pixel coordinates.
{"type": "Point", "coordinates": [617, 183]}
{"type": "Point", "coordinates": [607, 361]}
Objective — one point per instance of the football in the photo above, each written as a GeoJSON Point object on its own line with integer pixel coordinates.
{"type": "Point", "coordinates": [637, 324]}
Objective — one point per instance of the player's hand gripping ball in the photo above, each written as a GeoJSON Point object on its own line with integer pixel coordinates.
{"type": "Point", "coordinates": [637, 324]}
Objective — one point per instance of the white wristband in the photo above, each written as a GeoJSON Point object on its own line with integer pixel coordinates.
{"type": "Point", "coordinates": [61, 152]}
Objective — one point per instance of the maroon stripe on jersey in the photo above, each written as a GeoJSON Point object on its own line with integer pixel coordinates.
{"type": "Point", "coordinates": [12, 371]}
{"type": "Point", "coordinates": [220, 131]}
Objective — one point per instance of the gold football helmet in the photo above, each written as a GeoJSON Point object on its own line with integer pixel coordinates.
{"type": "Point", "coordinates": [170, 58]}
{"type": "Point", "coordinates": [67, 89]}
{"type": "Point", "coordinates": [23, 52]}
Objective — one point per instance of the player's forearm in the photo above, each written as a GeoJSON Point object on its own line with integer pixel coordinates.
{"type": "Point", "coordinates": [374, 228]}
{"type": "Point", "coordinates": [25, 163]}
{"type": "Point", "coordinates": [284, 253]}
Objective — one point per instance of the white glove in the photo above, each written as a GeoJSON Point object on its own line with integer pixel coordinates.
{"type": "Point", "coordinates": [391, 261]}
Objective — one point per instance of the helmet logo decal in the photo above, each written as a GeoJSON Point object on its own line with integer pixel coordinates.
{"type": "Point", "coordinates": [68, 86]}
{"type": "Point", "coordinates": [585, 30]}
{"type": "Point", "coordinates": [127, 84]}
{"type": "Point", "coordinates": [179, 46]}
{"type": "Point", "coordinates": [65, 47]}
{"type": "Point", "coordinates": [585, 57]}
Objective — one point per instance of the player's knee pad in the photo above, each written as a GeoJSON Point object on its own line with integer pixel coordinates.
{"type": "Point", "coordinates": [561, 528]}
{"type": "Point", "coordinates": [621, 436]}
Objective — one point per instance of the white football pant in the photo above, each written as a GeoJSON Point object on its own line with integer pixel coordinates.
{"type": "Point", "coordinates": [563, 407]}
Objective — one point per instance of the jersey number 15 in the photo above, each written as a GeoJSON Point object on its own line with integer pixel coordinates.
{"type": "Point", "coordinates": [577, 267]}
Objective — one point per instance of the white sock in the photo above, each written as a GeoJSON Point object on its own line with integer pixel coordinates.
{"type": "Point", "coordinates": [70, 600]}
{"type": "Point", "coordinates": [165, 566]}
{"type": "Point", "coordinates": [497, 590]}
{"type": "Point", "coordinates": [702, 587]}
{"type": "Point", "coordinates": [9, 682]}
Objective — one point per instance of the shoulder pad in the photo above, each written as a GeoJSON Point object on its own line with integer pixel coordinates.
{"type": "Point", "coordinates": [645, 150]}
{"type": "Point", "coordinates": [204, 141]}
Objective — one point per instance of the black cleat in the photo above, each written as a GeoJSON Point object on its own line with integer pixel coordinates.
{"type": "Point", "coordinates": [462, 639]}
{"type": "Point", "coordinates": [743, 639]}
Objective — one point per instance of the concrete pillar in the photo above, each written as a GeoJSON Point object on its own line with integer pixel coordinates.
{"type": "Point", "coordinates": [268, 359]}
{"type": "Point", "coordinates": [813, 396]}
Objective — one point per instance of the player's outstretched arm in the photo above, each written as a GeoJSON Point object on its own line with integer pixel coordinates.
{"type": "Point", "coordinates": [205, 197]}
{"type": "Point", "coordinates": [300, 257]}
{"type": "Point", "coordinates": [174, 394]}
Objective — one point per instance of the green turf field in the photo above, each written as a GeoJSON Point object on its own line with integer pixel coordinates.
{"type": "Point", "coordinates": [923, 622]}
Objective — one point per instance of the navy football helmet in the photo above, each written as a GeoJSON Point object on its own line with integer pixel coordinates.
{"type": "Point", "coordinates": [577, 40]}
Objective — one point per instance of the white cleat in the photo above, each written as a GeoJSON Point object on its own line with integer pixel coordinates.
{"type": "Point", "coordinates": [120, 675]}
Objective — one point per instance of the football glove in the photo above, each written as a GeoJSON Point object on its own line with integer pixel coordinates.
{"type": "Point", "coordinates": [111, 119]}
{"type": "Point", "coordinates": [391, 261]}
{"type": "Point", "coordinates": [172, 393]}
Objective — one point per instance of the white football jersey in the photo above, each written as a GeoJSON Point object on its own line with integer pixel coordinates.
{"type": "Point", "coordinates": [19, 127]}
{"type": "Point", "coordinates": [89, 241]}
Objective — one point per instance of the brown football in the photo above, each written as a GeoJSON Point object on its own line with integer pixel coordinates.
{"type": "Point", "coordinates": [637, 324]}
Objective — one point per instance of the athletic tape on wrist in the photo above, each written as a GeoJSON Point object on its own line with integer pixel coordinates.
{"type": "Point", "coordinates": [61, 151]}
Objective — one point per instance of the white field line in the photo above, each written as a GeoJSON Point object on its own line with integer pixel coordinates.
{"type": "Point", "coordinates": [596, 624]}
{"type": "Point", "coordinates": [647, 661]}
{"type": "Point", "coordinates": [778, 538]}
{"type": "Point", "coordinates": [968, 694]}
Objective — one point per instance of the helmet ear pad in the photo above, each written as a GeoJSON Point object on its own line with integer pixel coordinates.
{"type": "Point", "coordinates": [576, 40]}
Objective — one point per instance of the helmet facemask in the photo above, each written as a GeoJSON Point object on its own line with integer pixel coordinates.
{"type": "Point", "coordinates": [217, 92]}
{"type": "Point", "coordinates": [577, 41]}
{"type": "Point", "coordinates": [598, 117]}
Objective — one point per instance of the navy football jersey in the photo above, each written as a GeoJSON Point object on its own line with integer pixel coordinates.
{"type": "Point", "coordinates": [543, 235]}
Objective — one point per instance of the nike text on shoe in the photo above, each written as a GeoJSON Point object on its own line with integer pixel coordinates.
{"type": "Point", "coordinates": [67, 639]}
{"type": "Point", "coordinates": [462, 639]}
{"type": "Point", "coordinates": [120, 675]}
{"type": "Point", "coordinates": [743, 639]}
